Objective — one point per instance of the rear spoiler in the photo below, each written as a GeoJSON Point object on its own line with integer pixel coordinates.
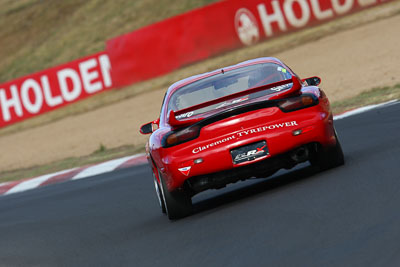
{"type": "Point", "coordinates": [295, 88]}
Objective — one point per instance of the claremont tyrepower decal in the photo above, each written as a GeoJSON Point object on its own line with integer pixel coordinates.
{"type": "Point", "coordinates": [245, 133]}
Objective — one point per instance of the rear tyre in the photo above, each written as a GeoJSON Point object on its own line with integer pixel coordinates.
{"type": "Point", "coordinates": [178, 204]}
{"type": "Point", "coordinates": [159, 195]}
{"type": "Point", "coordinates": [328, 157]}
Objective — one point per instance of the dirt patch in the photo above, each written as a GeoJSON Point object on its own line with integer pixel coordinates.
{"type": "Point", "coordinates": [349, 62]}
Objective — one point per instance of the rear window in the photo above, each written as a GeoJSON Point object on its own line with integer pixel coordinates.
{"type": "Point", "coordinates": [228, 83]}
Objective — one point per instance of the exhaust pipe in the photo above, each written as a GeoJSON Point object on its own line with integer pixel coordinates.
{"type": "Point", "coordinates": [300, 154]}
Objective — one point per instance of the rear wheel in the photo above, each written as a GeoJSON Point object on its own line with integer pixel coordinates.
{"type": "Point", "coordinates": [159, 194]}
{"type": "Point", "coordinates": [178, 204]}
{"type": "Point", "coordinates": [328, 157]}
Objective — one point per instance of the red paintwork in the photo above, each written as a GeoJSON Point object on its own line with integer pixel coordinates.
{"type": "Point", "coordinates": [276, 128]}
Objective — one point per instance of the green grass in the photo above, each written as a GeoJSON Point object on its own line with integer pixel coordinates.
{"type": "Point", "coordinates": [102, 149]}
{"type": "Point", "coordinates": [374, 96]}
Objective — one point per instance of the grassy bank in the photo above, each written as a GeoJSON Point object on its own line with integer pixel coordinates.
{"type": "Point", "coordinates": [37, 34]}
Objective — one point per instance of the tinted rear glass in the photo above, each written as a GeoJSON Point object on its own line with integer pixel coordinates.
{"type": "Point", "coordinates": [228, 83]}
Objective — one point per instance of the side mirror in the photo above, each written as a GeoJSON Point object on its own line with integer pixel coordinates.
{"type": "Point", "coordinates": [313, 81]}
{"type": "Point", "coordinates": [150, 127]}
{"type": "Point", "coordinates": [146, 128]}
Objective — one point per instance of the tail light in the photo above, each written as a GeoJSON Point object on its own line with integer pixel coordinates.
{"type": "Point", "coordinates": [296, 103]}
{"type": "Point", "coordinates": [181, 136]}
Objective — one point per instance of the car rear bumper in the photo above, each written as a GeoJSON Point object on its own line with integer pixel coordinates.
{"type": "Point", "coordinates": [260, 169]}
{"type": "Point", "coordinates": [211, 157]}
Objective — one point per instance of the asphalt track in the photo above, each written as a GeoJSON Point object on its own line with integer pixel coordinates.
{"type": "Point", "coordinates": [349, 216]}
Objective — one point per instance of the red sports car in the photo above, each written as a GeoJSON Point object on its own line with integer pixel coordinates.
{"type": "Point", "coordinates": [243, 121]}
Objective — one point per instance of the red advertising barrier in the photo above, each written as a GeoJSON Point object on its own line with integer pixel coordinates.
{"type": "Point", "coordinates": [53, 88]}
{"type": "Point", "coordinates": [165, 46]}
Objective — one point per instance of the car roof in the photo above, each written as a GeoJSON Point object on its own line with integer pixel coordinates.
{"type": "Point", "coordinates": [197, 77]}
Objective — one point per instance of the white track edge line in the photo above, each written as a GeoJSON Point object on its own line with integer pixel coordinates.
{"type": "Point", "coordinates": [363, 109]}
{"type": "Point", "coordinates": [103, 167]}
{"type": "Point", "coordinates": [34, 182]}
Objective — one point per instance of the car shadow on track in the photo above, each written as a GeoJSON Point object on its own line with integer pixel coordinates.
{"type": "Point", "coordinates": [254, 189]}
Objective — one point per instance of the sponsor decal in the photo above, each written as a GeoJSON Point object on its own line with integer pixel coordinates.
{"type": "Point", "coordinates": [52, 88]}
{"type": "Point", "coordinates": [267, 127]}
{"type": "Point", "coordinates": [281, 69]}
{"type": "Point", "coordinates": [246, 27]}
{"type": "Point", "coordinates": [240, 100]}
{"type": "Point", "coordinates": [245, 133]}
{"type": "Point", "coordinates": [185, 167]}
{"type": "Point", "coordinates": [282, 87]}
{"type": "Point", "coordinates": [198, 149]}
{"type": "Point", "coordinates": [185, 115]}
{"type": "Point", "coordinates": [233, 102]}
{"type": "Point", "coordinates": [281, 16]}
{"type": "Point", "coordinates": [185, 170]}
